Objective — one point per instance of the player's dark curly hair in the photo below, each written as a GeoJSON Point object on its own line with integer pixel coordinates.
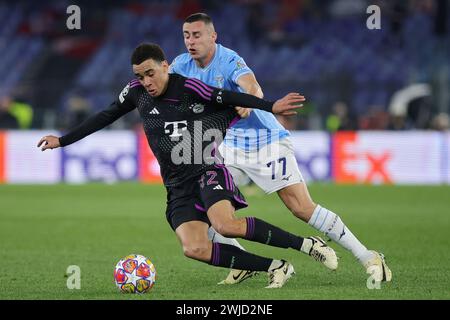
{"type": "Point", "coordinates": [146, 51]}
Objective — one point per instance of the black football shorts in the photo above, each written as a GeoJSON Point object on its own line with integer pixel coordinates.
{"type": "Point", "coordinates": [191, 200]}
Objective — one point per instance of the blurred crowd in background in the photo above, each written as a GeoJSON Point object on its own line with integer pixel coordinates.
{"type": "Point", "coordinates": [393, 78]}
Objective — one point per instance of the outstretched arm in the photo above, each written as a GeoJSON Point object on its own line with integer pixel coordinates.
{"type": "Point", "coordinates": [89, 126]}
{"type": "Point", "coordinates": [284, 106]}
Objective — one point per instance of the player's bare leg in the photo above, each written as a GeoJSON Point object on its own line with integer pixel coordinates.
{"type": "Point", "coordinates": [193, 236]}
{"type": "Point", "coordinates": [222, 218]}
{"type": "Point", "coordinates": [235, 276]}
{"type": "Point", "coordinates": [297, 199]}
{"type": "Point", "coordinates": [196, 245]}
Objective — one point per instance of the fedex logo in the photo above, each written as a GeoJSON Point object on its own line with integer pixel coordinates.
{"type": "Point", "coordinates": [362, 158]}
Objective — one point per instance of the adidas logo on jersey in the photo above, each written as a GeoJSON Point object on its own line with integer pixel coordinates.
{"type": "Point", "coordinates": [218, 187]}
{"type": "Point", "coordinates": [154, 111]}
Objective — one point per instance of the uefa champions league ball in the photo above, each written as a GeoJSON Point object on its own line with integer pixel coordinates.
{"type": "Point", "coordinates": [135, 274]}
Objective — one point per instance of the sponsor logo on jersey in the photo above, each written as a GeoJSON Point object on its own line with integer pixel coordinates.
{"type": "Point", "coordinates": [174, 128]}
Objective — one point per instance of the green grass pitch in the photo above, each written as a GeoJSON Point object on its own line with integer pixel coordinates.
{"type": "Point", "coordinates": [44, 229]}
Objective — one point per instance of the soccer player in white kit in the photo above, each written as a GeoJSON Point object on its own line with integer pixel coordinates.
{"type": "Point", "coordinates": [259, 147]}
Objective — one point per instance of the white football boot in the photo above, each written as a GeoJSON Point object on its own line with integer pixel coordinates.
{"type": "Point", "coordinates": [237, 276]}
{"type": "Point", "coordinates": [279, 276]}
{"type": "Point", "coordinates": [377, 268]}
{"type": "Point", "coordinates": [322, 253]}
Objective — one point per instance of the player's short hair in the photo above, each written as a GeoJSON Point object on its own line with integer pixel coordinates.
{"type": "Point", "coordinates": [146, 51]}
{"type": "Point", "coordinates": [199, 16]}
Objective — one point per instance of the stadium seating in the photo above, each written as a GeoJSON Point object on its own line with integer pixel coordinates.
{"type": "Point", "coordinates": [329, 52]}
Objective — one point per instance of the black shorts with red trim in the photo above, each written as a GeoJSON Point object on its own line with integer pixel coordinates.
{"type": "Point", "coordinates": [191, 200]}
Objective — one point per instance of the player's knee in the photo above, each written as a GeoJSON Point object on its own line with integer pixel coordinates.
{"type": "Point", "coordinates": [227, 228]}
{"type": "Point", "coordinates": [222, 228]}
{"type": "Point", "coordinates": [196, 251]}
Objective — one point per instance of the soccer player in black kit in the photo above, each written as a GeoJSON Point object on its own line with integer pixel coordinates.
{"type": "Point", "coordinates": [184, 121]}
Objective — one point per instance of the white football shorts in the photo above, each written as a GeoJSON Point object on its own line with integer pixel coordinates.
{"type": "Point", "coordinates": [272, 168]}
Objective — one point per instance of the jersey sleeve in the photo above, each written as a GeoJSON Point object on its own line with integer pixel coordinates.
{"type": "Point", "coordinates": [124, 104]}
{"type": "Point", "coordinates": [236, 67]}
{"type": "Point", "coordinates": [219, 97]}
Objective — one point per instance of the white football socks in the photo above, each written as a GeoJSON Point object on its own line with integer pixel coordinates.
{"type": "Point", "coordinates": [306, 245]}
{"type": "Point", "coordinates": [332, 226]}
{"type": "Point", "coordinates": [217, 237]}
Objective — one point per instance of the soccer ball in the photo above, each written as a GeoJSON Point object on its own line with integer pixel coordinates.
{"type": "Point", "coordinates": [135, 274]}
